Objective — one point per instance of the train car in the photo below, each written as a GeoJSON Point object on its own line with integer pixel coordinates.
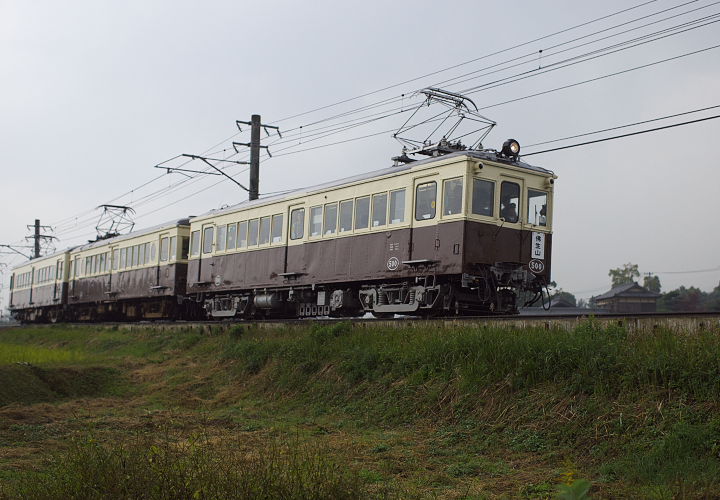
{"type": "Point", "coordinates": [38, 288]}
{"type": "Point", "coordinates": [460, 232]}
{"type": "Point", "coordinates": [141, 275]}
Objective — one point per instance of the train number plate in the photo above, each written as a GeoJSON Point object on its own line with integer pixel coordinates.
{"type": "Point", "coordinates": [393, 263]}
{"type": "Point", "coordinates": [536, 266]}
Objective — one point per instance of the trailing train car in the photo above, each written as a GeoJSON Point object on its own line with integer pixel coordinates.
{"type": "Point", "coordinates": [463, 232]}
{"type": "Point", "coordinates": [38, 288]}
{"type": "Point", "coordinates": [141, 275]}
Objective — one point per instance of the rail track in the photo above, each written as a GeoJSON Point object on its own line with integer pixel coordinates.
{"type": "Point", "coordinates": [686, 320]}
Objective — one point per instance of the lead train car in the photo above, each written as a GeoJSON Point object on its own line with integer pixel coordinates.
{"type": "Point", "coordinates": [461, 233]}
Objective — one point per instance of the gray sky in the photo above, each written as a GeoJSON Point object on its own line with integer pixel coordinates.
{"type": "Point", "coordinates": [93, 94]}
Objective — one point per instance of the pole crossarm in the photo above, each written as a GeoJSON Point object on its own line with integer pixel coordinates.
{"type": "Point", "coordinates": [14, 250]}
{"type": "Point", "coordinates": [206, 160]}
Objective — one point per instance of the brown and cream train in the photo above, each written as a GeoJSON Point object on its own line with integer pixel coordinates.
{"type": "Point", "coordinates": [466, 232]}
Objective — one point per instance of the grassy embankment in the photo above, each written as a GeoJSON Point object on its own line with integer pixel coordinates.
{"type": "Point", "coordinates": [329, 411]}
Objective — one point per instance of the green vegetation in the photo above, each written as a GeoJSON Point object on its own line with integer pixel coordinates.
{"type": "Point", "coordinates": [194, 469]}
{"type": "Point", "coordinates": [418, 411]}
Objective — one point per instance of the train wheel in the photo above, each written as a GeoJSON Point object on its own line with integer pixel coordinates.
{"type": "Point", "coordinates": [54, 316]}
{"type": "Point", "coordinates": [379, 315]}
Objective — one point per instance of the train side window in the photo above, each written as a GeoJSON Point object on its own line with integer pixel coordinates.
{"type": "Point", "coordinates": [12, 281]}
{"type": "Point", "coordinates": [346, 214]}
{"type": "Point", "coordinates": [297, 224]}
{"type": "Point", "coordinates": [362, 212]}
{"type": "Point", "coordinates": [453, 196]}
{"type": "Point", "coordinates": [242, 234]}
{"type": "Point", "coordinates": [483, 197]}
{"type": "Point", "coordinates": [153, 252]}
{"type": "Point", "coordinates": [231, 236]}
{"type": "Point", "coordinates": [264, 230]}
{"type": "Point", "coordinates": [141, 258]}
{"type": "Point", "coordinates": [330, 220]}
{"type": "Point", "coordinates": [425, 201]}
{"type": "Point", "coordinates": [509, 201]}
{"type": "Point", "coordinates": [537, 207]}
{"type": "Point", "coordinates": [172, 254]}
{"type": "Point", "coordinates": [277, 227]}
{"type": "Point", "coordinates": [253, 230]}
{"type": "Point", "coordinates": [123, 254]}
{"type": "Point", "coordinates": [221, 238]}
{"type": "Point", "coordinates": [397, 206]}
{"type": "Point", "coordinates": [164, 249]}
{"type": "Point", "coordinates": [185, 246]}
{"type": "Point", "coordinates": [195, 244]}
{"type": "Point", "coordinates": [208, 234]}
{"type": "Point", "coordinates": [315, 221]}
{"type": "Point", "coordinates": [379, 209]}
{"type": "Point", "coordinates": [116, 260]}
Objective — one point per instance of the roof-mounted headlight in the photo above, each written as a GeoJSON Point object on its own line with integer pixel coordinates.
{"type": "Point", "coordinates": [511, 149]}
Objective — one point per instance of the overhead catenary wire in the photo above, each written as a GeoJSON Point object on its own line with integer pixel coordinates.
{"type": "Point", "coordinates": [446, 69]}
{"type": "Point", "coordinates": [639, 132]}
{"type": "Point", "coordinates": [162, 192]}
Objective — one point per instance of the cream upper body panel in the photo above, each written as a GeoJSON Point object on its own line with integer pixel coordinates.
{"type": "Point", "coordinates": [42, 271]}
{"type": "Point", "coordinates": [132, 251]}
{"type": "Point", "coordinates": [379, 201]}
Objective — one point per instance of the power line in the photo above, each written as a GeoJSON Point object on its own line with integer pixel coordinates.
{"type": "Point", "coordinates": [623, 126]}
{"type": "Point", "coordinates": [623, 135]}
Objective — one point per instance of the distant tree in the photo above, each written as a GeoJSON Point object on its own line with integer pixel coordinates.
{"type": "Point", "coordinates": [582, 304]}
{"type": "Point", "coordinates": [712, 300]}
{"type": "Point", "coordinates": [652, 283]}
{"type": "Point", "coordinates": [625, 274]}
{"type": "Point", "coordinates": [683, 299]}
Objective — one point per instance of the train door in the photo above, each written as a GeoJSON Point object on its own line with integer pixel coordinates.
{"type": "Point", "coordinates": [74, 271]}
{"type": "Point", "coordinates": [207, 242]}
{"type": "Point", "coordinates": [294, 254]}
{"type": "Point", "coordinates": [511, 240]}
{"type": "Point", "coordinates": [424, 238]}
{"type": "Point", "coordinates": [57, 288]}
{"type": "Point", "coordinates": [163, 243]}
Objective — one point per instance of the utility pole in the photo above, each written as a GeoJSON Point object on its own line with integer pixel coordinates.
{"type": "Point", "coordinates": [254, 145]}
{"type": "Point", "coordinates": [38, 237]}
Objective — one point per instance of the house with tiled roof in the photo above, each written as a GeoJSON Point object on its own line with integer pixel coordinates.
{"type": "Point", "coordinates": [627, 298]}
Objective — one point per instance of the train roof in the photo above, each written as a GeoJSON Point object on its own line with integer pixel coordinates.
{"type": "Point", "coordinates": [175, 222]}
{"type": "Point", "coordinates": [293, 193]}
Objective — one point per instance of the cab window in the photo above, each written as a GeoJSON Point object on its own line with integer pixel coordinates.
{"type": "Point", "coordinates": [509, 201]}
{"type": "Point", "coordinates": [297, 224]}
{"type": "Point", "coordinates": [537, 208]}
{"type": "Point", "coordinates": [425, 200]}
{"type": "Point", "coordinates": [452, 196]}
{"type": "Point", "coordinates": [483, 197]}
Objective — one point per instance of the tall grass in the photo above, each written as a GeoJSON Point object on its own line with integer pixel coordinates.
{"type": "Point", "coordinates": [13, 353]}
{"type": "Point", "coordinates": [166, 467]}
{"type": "Point", "coordinates": [590, 359]}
